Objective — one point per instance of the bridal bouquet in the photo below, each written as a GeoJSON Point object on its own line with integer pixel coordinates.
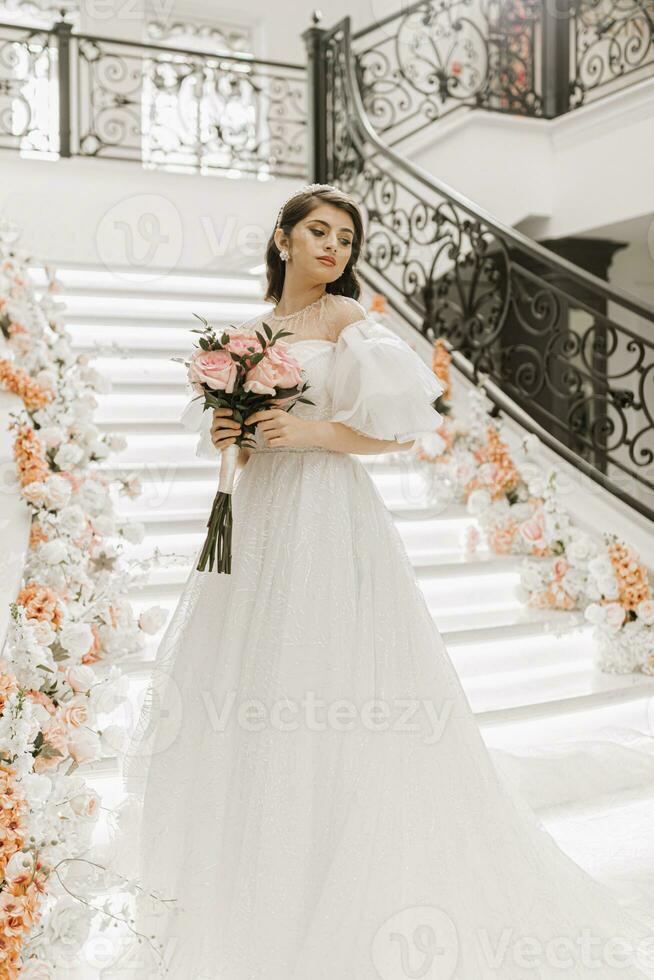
{"type": "Point", "coordinates": [244, 371]}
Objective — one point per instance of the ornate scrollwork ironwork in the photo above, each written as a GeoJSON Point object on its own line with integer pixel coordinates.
{"type": "Point", "coordinates": [613, 41]}
{"type": "Point", "coordinates": [575, 353]}
{"type": "Point", "coordinates": [27, 105]}
{"type": "Point", "coordinates": [440, 55]}
{"type": "Point", "coordinates": [189, 110]}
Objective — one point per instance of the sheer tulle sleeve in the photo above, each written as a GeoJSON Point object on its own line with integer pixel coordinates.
{"type": "Point", "coordinates": [195, 420]}
{"type": "Point", "coordinates": [380, 386]}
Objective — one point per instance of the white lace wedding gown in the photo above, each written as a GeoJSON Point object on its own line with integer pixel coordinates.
{"type": "Point", "coordinates": [317, 796]}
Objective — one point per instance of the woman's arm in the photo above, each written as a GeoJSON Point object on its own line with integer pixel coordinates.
{"type": "Point", "coordinates": [281, 428]}
{"type": "Point", "coordinates": [343, 439]}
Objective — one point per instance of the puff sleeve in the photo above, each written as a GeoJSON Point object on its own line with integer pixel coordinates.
{"type": "Point", "coordinates": [195, 420]}
{"type": "Point", "coordinates": [380, 386]}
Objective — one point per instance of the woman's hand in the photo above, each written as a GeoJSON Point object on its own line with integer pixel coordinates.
{"type": "Point", "coordinates": [224, 430]}
{"type": "Point", "coordinates": [280, 428]}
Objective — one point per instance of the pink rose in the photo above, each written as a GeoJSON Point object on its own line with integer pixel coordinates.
{"type": "Point", "coordinates": [277, 369]}
{"type": "Point", "coordinates": [561, 566]}
{"type": "Point", "coordinates": [240, 344]}
{"type": "Point", "coordinates": [75, 712]}
{"type": "Point", "coordinates": [615, 614]}
{"type": "Point", "coordinates": [214, 368]}
{"type": "Point", "coordinates": [532, 530]}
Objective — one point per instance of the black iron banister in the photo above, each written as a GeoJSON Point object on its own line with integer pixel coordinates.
{"type": "Point", "coordinates": [512, 410]}
{"type": "Point", "coordinates": [433, 184]}
{"type": "Point", "coordinates": [541, 328]}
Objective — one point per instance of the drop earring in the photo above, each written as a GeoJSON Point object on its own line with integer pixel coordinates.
{"type": "Point", "coordinates": [283, 254]}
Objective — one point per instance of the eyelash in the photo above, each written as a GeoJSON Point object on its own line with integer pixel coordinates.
{"type": "Point", "coordinates": [344, 241]}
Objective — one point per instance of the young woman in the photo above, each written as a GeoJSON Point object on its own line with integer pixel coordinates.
{"type": "Point", "coordinates": [319, 803]}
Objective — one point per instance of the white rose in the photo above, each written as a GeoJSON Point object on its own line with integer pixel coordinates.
{"type": "Point", "coordinates": [53, 552]}
{"type": "Point", "coordinates": [86, 432]}
{"type": "Point", "coordinates": [80, 678]}
{"type": "Point", "coordinates": [99, 449]}
{"type": "Point", "coordinates": [71, 520]}
{"type": "Point", "coordinates": [86, 805]}
{"type": "Point", "coordinates": [84, 745]}
{"type": "Point", "coordinates": [34, 969]}
{"type": "Point", "coordinates": [58, 492]}
{"type": "Point", "coordinates": [531, 578]}
{"type": "Point", "coordinates": [104, 524]}
{"type": "Point", "coordinates": [36, 493]}
{"type": "Point", "coordinates": [580, 548]}
{"type": "Point", "coordinates": [600, 567]}
{"type": "Point", "coordinates": [67, 925]}
{"type": "Point", "coordinates": [51, 436]}
{"type": "Point", "coordinates": [116, 443]}
{"type": "Point", "coordinates": [68, 455]}
{"type": "Point", "coordinates": [151, 620]}
{"type": "Point", "coordinates": [48, 379]}
{"type": "Point", "coordinates": [92, 497]}
{"type": "Point", "coordinates": [478, 501]}
{"type": "Point", "coordinates": [645, 611]}
{"type": "Point", "coordinates": [134, 532]}
{"type": "Point", "coordinates": [76, 638]}
{"type": "Point", "coordinates": [608, 587]}
{"type": "Point", "coordinates": [595, 613]}
{"type": "Point", "coordinates": [615, 615]}
{"type": "Point", "coordinates": [20, 863]}
{"type": "Point", "coordinates": [37, 786]}
{"type": "Point", "coordinates": [42, 632]}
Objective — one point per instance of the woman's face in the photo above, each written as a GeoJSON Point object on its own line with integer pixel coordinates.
{"type": "Point", "coordinates": [326, 233]}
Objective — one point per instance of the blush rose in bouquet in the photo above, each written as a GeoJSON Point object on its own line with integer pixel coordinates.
{"type": "Point", "coordinates": [245, 371]}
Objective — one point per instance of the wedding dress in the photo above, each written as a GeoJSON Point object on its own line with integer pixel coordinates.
{"type": "Point", "coordinates": [317, 800]}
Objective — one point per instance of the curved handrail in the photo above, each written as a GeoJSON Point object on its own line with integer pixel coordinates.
{"type": "Point", "coordinates": [509, 234]}
{"type": "Point", "coordinates": [557, 287]}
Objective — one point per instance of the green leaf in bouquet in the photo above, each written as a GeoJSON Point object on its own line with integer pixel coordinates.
{"type": "Point", "coordinates": [204, 344]}
{"type": "Point", "coordinates": [202, 319]}
{"type": "Point", "coordinates": [261, 338]}
{"type": "Point", "coordinates": [267, 330]}
{"type": "Point", "coordinates": [305, 401]}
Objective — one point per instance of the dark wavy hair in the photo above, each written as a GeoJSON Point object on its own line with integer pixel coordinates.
{"type": "Point", "coordinates": [295, 210]}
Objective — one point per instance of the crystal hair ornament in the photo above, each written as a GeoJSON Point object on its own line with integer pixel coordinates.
{"type": "Point", "coordinates": [303, 190]}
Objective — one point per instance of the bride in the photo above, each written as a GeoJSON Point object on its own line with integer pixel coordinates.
{"type": "Point", "coordinates": [317, 800]}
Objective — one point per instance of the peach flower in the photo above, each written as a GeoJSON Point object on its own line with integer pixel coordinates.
{"type": "Point", "coordinates": [40, 602]}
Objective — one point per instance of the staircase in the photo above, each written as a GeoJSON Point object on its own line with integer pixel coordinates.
{"type": "Point", "coordinates": [528, 674]}
{"type": "Point", "coordinates": [518, 666]}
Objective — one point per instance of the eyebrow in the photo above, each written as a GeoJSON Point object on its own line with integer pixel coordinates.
{"type": "Point", "coordinates": [320, 221]}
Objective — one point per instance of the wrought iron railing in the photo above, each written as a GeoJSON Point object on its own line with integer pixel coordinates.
{"type": "Point", "coordinates": [577, 353]}
{"type": "Point", "coordinates": [524, 57]}
{"type": "Point", "coordinates": [80, 95]}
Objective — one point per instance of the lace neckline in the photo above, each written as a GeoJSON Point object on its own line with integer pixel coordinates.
{"type": "Point", "coordinates": [288, 316]}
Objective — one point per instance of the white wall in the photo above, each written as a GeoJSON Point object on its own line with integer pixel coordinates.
{"type": "Point", "coordinates": [557, 177]}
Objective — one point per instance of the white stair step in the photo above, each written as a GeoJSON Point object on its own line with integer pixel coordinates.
{"type": "Point", "coordinates": [133, 374]}
{"type": "Point", "coordinates": [159, 310]}
{"type": "Point", "coordinates": [130, 410]}
{"type": "Point", "coordinates": [100, 281]}
{"type": "Point", "coordinates": [131, 337]}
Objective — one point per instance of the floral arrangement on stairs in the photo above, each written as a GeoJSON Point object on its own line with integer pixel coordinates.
{"type": "Point", "coordinates": [72, 628]}
{"type": "Point", "coordinates": [622, 609]}
{"type": "Point", "coordinates": [518, 510]}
